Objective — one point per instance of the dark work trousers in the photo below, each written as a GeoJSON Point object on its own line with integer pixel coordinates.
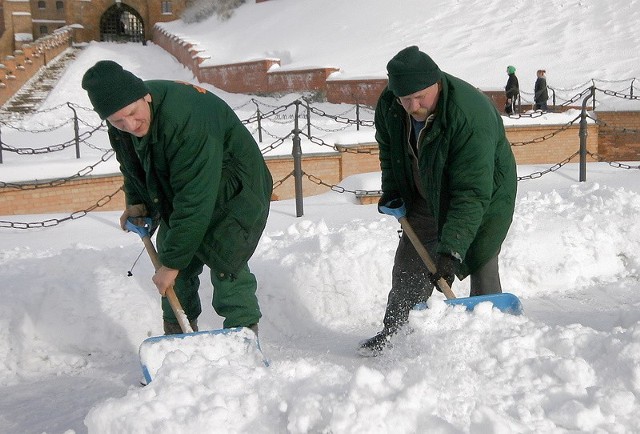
{"type": "Point", "coordinates": [410, 277]}
{"type": "Point", "coordinates": [234, 297]}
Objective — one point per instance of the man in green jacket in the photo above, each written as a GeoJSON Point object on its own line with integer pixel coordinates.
{"type": "Point", "coordinates": [189, 163]}
{"type": "Point", "coordinates": [445, 157]}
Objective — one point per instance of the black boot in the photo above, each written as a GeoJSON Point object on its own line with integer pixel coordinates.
{"type": "Point", "coordinates": [373, 347]}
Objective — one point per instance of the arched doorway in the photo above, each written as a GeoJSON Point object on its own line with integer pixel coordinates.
{"type": "Point", "coordinates": [121, 23]}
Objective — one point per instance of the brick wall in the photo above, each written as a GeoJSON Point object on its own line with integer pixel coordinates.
{"type": "Point", "coordinates": [550, 150]}
{"type": "Point", "coordinates": [619, 135]}
{"type": "Point", "coordinates": [89, 13]}
{"type": "Point", "coordinates": [253, 77]}
{"type": "Point", "coordinates": [17, 18]}
{"type": "Point", "coordinates": [549, 145]}
{"type": "Point", "coordinates": [330, 168]}
{"type": "Point", "coordinates": [260, 76]}
{"type": "Point", "coordinates": [17, 69]}
{"type": "Point", "coordinates": [325, 167]}
{"type": "Point", "coordinates": [184, 51]}
{"type": "Point", "coordinates": [72, 196]}
{"type": "Point", "coordinates": [7, 37]}
{"type": "Point", "coordinates": [355, 91]}
{"type": "Point", "coordinates": [238, 77]}
{"type": "Point", "coordinates": [79, 195]}
{"type": "Point", "coordinates": [300, 80]}
{"type": "Point", "coordinates": [363, 158]}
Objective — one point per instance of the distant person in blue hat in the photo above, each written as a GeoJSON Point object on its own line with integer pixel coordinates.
{"type": "Point", "coordinates": [512, 90]}
{"type": "Point", "coordinates": [445, 156]}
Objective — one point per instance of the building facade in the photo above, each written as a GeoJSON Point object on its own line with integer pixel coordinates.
{"type": "Point", "coordinates": [25, 21]}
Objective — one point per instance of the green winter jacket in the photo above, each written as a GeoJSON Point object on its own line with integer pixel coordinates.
{"type": "Point", "coordinates": [200, 170]}
{"type": "Point", "coordinates": [466, 167]}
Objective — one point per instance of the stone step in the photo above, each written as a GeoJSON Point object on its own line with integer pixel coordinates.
{"type": "Point", "coordinates": [31, 96]}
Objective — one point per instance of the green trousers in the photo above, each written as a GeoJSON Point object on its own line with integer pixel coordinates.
{"type": "Point", "coordinates": [234, 297]}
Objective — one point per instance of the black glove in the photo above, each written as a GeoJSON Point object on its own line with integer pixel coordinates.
{"type": "Point", "coordinates": [389, 200]}
{"type": "Point", "coordinates": [155, 222]}
{"type": "Point", "coordinates": [446, 267]}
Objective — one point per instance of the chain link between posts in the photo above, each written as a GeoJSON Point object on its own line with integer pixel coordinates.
{"type": "Point", "coordinates": [278, 116]}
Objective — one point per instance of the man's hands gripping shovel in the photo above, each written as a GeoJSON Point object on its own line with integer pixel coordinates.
{"type": "Point", "coordinates": [164, 277]}
{"type": "Point", "coordinates": [397, 209]}
{"type": "Point", "coordinates": [442, 274]}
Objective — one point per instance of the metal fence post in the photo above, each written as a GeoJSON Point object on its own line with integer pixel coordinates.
{"type": "Point", "coordinates": [357, 116]}
{"type": "Point", "coordinates": [583, 135]}
{"type": "Point", "coordinates": [308, 117]}
{"type": "Point", "coordinates": [297, 163]}
{"type": "Point", "coordinates": [259, 117]}
{"type": "Point", "coordinates": [1, 147]}
{"type": "Point", "coordinates": [76, 130]}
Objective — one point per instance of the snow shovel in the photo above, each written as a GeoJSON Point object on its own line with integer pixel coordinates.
{"type": "Point", "coordinates": [504, 302]}
{"type": "Point", "coordinates": [221, 344]}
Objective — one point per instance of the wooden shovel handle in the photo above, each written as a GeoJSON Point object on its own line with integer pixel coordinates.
{"type": "Point", "coordinates": [426, 258]}
{"type": "Point", "coordinates": [169, 293]}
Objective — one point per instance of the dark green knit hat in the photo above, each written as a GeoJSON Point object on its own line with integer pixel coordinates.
{"type": "Point", "coordinates": [111, 88]}
{"type": "Point", "coordinates": [410, 71]}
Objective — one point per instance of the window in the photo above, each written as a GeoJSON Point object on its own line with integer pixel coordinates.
{"type": "Point", "coordinates": [166, 8]}
{"type": "Point", "coordinates": [42, 4]}
{"type": "Point", "coordinates": [59, 5]}
{"type": "Point", "coordinates": [44, 30]}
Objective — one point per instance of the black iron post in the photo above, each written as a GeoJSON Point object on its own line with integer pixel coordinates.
{"type": "Point", "coordinates": [308, 117]}
{"type": "Point", "coordinates": [297, 163]}
{"type": "Point", "coordinates": [259, 117]}
{"type": "Point", "coordinates": [583, 136]}
{"type": "Point", "coordinates": [76, 130]}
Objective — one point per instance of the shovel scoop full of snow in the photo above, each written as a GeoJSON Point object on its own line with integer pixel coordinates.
{"type": "Point", "coordinates": [221, 347]}
{"type": "Point", "coordinates": [505, 302]}
{"type": "Point", "coordinates": [161, 355]}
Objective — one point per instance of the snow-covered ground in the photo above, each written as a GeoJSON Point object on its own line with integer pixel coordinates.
{"type": "Point", "coordinates": [71, 320]}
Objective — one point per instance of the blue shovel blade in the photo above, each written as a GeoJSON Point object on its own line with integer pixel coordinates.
{"type": "Point", "coordinates": [146, 348]}
{"type": "Point", "coordinates": [505, 302]}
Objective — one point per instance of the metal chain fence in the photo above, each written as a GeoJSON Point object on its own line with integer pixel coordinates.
{"type": "Point", "coordinates": [303, 112]}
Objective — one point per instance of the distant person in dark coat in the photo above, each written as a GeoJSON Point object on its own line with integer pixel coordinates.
{"type": "Point", "coordinates": [512, 90]}
{"type": "Point", "coordinates": [541, 95]}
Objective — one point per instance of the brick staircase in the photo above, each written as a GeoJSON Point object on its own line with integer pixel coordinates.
{"type": "Point", "coordinates": [30, 96]}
